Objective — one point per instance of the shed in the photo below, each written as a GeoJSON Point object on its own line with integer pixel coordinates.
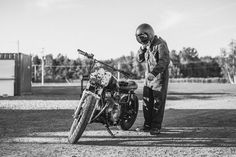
{"type": "Point", "coordinates": [15, 74]}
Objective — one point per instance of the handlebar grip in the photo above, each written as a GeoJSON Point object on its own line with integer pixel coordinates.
{"type": "Point", "coordinates": [85, 54]}
{"type": "Point", "coordinates": [81, 52]}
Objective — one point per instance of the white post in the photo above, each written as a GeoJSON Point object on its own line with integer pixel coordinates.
{"type": "Point", "coordinates": [35, 71]}
{"type": "Point", "coordinates": [118, 71]}
{"type": "Point", "coordinates": [42, 77]}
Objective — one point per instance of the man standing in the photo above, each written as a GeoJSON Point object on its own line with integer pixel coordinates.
{"type": "Point", "coordinates": [155, 53]}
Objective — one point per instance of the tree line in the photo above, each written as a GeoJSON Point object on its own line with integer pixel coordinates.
{"type": "Point", "coordinates": [185, 63]}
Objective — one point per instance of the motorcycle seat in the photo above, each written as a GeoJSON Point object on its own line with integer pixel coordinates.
{"type": "Point", "coordinates": [127, 85]}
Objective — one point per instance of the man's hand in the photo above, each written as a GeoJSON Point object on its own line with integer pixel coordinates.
{"type": "Point", "coordinates": [150, 76]}
{"type": "Point", "coordinates": [145, 46]}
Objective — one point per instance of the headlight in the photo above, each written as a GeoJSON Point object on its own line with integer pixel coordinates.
{"type": "Point", "coordinates": [106, 78]}
{"type": "Point", "coordinates": [101, 77]}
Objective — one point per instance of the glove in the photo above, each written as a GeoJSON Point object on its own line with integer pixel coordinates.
{"type": "Point", "coordinates": [143, 47]}
{"type": "Point", "coordinates": [150, 77]}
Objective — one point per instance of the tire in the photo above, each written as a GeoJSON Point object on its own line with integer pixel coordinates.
{"type": "Point", "coordinates": [129, 112]}
{"type": "Point", "coordinates": [79, 124]}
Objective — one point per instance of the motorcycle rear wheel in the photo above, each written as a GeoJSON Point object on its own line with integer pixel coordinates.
{"type": "Point", "coordinates": [129, 112]}
{"type": "Point", "coordinates": [79, 124]}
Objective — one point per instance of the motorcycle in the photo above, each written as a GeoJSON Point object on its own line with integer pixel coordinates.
{"type": "Point", "coordinates": [105, 100]}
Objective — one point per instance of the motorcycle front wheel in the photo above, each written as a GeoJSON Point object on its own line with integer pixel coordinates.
{"type": "Point", "coordinates": [80, 122]}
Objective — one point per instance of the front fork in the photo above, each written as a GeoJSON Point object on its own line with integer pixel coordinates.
{"type": "Point", "coordinates": [81, 103]}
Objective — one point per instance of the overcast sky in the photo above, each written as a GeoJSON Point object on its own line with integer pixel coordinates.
{"type": "Point", "coordinates": [107, 27]}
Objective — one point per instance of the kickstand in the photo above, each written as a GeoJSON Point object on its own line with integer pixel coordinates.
{"type": "Point", "coordinates": [109, 131]}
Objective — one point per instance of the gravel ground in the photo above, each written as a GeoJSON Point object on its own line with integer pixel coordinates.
{"type": "Point", "coordinates": [227, 102]}
{"type": "Point", "coordinates": [95, 143]}
{"type": "Point", "coordinates": [174, 141]}
{"type": "Point", "coordinates": [99, 143]}
{"type": "Point", "coordinates": [64, 150]}
{"type": "Point", "coordinates": [38, 104]}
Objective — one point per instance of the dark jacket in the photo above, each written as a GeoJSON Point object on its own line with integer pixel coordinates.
{"type": "Point", "coordinates": [157, 61]}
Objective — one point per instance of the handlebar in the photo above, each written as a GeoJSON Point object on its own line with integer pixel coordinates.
{"type": "Point", "coordinates": [90, 56]}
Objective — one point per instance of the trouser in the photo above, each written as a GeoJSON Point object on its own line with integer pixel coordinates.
{"type": "Point", "coordinates": [154, 106]}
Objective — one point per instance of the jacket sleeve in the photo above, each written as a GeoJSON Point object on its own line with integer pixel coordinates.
{"type": "Point", "coordinates": [141, 55]}
{"type": "Point", "coordinates": [164, 60]}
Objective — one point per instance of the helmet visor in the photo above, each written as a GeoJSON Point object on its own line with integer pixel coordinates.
{"type": "Point", "coordinates": [142, 38]}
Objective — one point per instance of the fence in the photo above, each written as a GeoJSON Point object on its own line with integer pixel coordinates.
{"type": "Point", "coordinates": [198, 80]}
{"type": "Point", "coordinates": [60, 73]}
{"type": "Point", "coordinates": [70, 73]}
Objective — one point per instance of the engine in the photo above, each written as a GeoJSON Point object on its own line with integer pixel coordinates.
{"type": "Point", "coordinates": [113, 110]}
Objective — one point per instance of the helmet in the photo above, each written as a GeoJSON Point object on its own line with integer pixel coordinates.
{"type": "Point", "coordinates": [144, 33]}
